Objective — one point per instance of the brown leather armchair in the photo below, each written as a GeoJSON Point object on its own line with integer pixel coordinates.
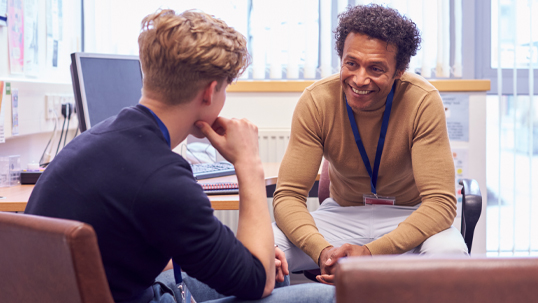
{"type": "Point", "coordinates": [440, 280]}
{"type": "Point", "coordinates": [50, 260]}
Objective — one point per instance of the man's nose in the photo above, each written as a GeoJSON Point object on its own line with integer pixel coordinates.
{"type": "Point", "coordinates": [361, 78]}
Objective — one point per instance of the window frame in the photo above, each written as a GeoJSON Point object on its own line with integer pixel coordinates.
{"type": "Point", "coordinates": [482, 55]}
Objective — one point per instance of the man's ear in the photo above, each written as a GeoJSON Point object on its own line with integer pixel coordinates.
{"type": "Point", "coordinates": [208, 92]}
{"type": "Point", "coordinates": [398, 74]}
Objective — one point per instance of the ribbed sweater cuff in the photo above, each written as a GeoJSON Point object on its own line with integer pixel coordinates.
{"type": "Point", "coordinates": [315, 245]}
{"type": "Point", "coordinates": [381, 246]}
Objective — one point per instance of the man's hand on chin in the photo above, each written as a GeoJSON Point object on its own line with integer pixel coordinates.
{"type": "Point", "coordinates": [330, 255]}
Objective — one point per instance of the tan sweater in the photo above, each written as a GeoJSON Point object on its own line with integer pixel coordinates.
{"type": "Point", "coordinates": [416, 164]}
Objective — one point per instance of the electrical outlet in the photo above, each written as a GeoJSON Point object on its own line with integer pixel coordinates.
{"type": "Point", "coordinates": [53, 104]}
{"type": "Point", "coordinates": [49, 106]}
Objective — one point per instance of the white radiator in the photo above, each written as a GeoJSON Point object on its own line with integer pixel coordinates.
{"type": "Point", "coordinates": [273, 144]}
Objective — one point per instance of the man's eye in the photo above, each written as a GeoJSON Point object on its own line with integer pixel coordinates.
{"type": "Point", "coordinates": [349, 63]}
{"type": "Point", "coordinates": [375, 69]}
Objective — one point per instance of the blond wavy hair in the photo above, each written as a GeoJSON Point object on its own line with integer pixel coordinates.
{"type": "Point", "coordinates": [181, 54]}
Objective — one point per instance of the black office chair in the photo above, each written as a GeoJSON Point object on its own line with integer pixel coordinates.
{"type": "Point", "coordinates": [471, 208]}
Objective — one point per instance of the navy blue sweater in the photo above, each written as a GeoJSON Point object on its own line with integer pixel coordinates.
{"type": "Point", "coordinates": [145, 206]}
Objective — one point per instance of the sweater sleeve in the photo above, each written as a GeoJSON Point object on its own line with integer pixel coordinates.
{"type": "Point", "coordinates": [433, 170]}
{"type": "Point", "coordinates": [297, 174]}
{"type": "Point", "coordinates": [176, 217]}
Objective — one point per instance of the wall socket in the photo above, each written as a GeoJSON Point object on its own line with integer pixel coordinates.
{"type": "Point", "coordinates": [53, 104]}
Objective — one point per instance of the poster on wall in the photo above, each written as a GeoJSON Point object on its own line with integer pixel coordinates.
{"type": "Point", "coordinates": [15, 112]}
{"type": "Point", "coordinates": [15, 27]}
{"type": "Point", "coordinates": [31, 55]}
{"type": "Point", "coordinates": [2, 136]}
{"type": "Point", "coordinates": [54, 31]}
{"type": "Point", "coordinates": [457, 116]}
{"type": "Point", "coordinates": [3, 12]}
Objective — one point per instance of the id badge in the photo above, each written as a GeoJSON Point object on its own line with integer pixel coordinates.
{"type": "Point", "coordinates": [186, 296]}
{"type": "Point", "coordinates": [378, 200]}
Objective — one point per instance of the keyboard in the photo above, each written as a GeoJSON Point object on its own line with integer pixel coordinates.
{"type": "Point", "coordinates": [212, 170]}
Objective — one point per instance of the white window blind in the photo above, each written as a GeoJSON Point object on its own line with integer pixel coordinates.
{"type": "Point", "coordinates": [287, 39]}
{"type": "Point", "coordinates": [512, 210]}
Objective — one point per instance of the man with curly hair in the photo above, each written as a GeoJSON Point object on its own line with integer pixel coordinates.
{"type": "Point", "coordinates": [384, 134]}
{"type": "Point", "coordinates": [122, 177]}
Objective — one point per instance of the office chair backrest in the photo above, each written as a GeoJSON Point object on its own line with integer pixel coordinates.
{"type": "Point", "coordinates": [471, 209]}
{"type": "Point", "coordinates": [50, 260]}
{"type": "Point", "coordinates": [440, 280]}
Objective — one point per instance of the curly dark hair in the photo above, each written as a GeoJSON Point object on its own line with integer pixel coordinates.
{"type": "Point", "coordinates": [382, 23]}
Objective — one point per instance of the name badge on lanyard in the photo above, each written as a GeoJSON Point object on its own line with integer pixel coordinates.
{"type": "Point", "coordinates": [373, 198]}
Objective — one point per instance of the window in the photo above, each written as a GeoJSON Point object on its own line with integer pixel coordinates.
{"type": "Point", "coordinates": [512, 31]}
{"type": "Point", "coordinates": [282, 42]}
{"type": "Point", "coordinates": [517, 29]}
{"type": "Point", "coordinates": [287, 39]}
{"type": "Point", "coordinates": [510, 60]}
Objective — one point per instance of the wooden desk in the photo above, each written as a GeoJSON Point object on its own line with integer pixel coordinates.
{"type": "Point", "coordinates": [15, 198]}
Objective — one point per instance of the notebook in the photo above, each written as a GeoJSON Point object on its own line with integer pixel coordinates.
{"type": "Point", "coordinates": [220, 188]}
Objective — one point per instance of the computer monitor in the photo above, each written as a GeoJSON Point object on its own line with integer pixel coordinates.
{"type": "Point", "coordinates": [103, 85]}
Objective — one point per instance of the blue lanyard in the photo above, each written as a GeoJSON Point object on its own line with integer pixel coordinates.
{"type": "Point", "coordinates": [162, 127]}
{"type": "Point", "coordinates": [166, 134]}
{"type": "Point", "coordinates": [380, 143]}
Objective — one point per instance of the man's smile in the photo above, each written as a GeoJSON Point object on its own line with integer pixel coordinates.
{"type": "Point", "coordinates": [360, 92]}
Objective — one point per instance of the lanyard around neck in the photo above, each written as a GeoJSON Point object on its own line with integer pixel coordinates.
{"type": "Point", "coordinates": [162, 127]}
{"type": "Point", "coordinates": [384, 126]}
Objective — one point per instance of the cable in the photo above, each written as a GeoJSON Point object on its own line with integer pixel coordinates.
{"type": "Point", "coordinates": [76, 130]}
{"type": "Point", "coordinates": [78, 122]}
{"type": "Point", "coordinates": [68, 112]}
{"type": "Point", "coordinates": [50, 140]}
{"type": "Point", "coordinates": [61, 135]}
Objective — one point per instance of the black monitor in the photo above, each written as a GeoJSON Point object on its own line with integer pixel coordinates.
{"type": "Point", "coordinates": [103, 85]}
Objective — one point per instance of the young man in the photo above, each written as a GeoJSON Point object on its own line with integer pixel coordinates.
{"type": "Point", "coordinates": [122, 178]}
{"type": "Point", "coordinates": [383, 131]}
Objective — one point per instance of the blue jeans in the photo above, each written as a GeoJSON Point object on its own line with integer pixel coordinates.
{"type": "Point", "coordinates": [283, 293]}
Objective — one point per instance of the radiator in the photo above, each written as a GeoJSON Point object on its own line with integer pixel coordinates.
{"type": "Point", "coordinates": [273, 144]}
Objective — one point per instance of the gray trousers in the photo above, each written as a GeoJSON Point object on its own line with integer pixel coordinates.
{"type": "Point", "coordinates": [360, 225]}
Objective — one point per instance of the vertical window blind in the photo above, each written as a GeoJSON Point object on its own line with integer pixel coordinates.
{"type": "Point", "coordinates": [512, 153]}
{"type": "Point", "coordinates": [287, 39]}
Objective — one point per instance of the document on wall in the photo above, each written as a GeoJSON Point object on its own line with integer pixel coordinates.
{"type": "Point", "coordinates": [3, 12]}
{"type": "Point", "coordinates": [54, 31]}
{"type": "Point", "coordinates": [457, 116]}
{"type": "Point", "coordinates": [15, 112]}
{"type": "Point", "coordinates": [31, 51]}
{"type": "Point", "coordinates": [2, 135]}
{"type": "Point", "coordinates": [16, 36]}
{"type": "Point", "coordinates": [461, 165]}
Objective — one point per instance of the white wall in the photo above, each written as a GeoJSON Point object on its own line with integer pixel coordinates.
{"type": "Point", "coordinates": [34, 129]}
{"type": "Point", "coordinates": [476, 157]}
{"type": "Point", "coordinates": [266, 110]}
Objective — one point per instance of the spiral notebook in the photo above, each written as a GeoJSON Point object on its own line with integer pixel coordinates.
{"type": "Point", "coordinates": [220, 188]}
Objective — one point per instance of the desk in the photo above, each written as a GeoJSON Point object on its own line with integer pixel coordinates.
{"type": "Point", "coordinates": [16, 197]}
